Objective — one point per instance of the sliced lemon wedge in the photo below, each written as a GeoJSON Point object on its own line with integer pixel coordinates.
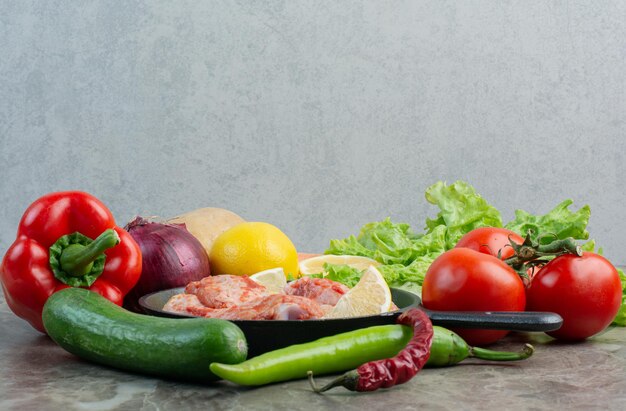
{"type": "Point", "coordinates": [370, 296]}
{"type": "Point", "coordinates": [315, 265]}
{"type": "Point", "coordinates": [273, 279]}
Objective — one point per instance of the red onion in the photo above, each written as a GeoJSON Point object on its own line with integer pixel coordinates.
{"type": "Point", "coordinates": [171, 257]}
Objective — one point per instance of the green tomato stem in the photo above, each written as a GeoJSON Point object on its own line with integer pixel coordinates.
{"type": "Point", "coordinates": [530, 254]}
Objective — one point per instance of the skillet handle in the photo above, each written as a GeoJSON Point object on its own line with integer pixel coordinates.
{"type": "Point", "coordinates": [497, 320]}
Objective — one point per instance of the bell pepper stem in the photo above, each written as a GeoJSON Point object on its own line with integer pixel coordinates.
{"type": "Point", "coordinates": [78, 259]}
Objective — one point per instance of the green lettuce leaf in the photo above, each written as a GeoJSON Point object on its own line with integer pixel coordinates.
{"type": "Point", "coordinates": [461, 210]}
{"type": "Point", "coordinates": [405, 256]}
{"type": "Point", "coordinates": [560, 221]}
{"type": "Point", "coordinates": [349, 246]}
{"type": "Point", "coordinates": [398, 274]}
{"type": "Point", "coordinates": [384, 241]}
{"type": "Point", "coordinates": [390, 243]}
{"type": "Point", "coordinates": [427, 248]}
{"type": "Point", "coordinates": [341, 273]}
{"type": "Point", "coordinates": [620, 318]}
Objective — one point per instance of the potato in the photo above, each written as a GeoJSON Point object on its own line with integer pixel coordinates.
{"type": "Point", "coordinates": [206, 224]}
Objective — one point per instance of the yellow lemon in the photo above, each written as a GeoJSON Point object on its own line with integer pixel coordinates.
{"type": "Point", "coordinates": [315, 265]}
{"type": "Point", "coordinates": [370, 296]}
{"type": "Point", "coordinates": [249, 248]}
{"type": "Point", "coordinates": [273, 279]}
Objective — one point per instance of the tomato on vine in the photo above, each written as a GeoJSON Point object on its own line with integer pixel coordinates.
{"type": "Point", "coordinates": [585, 290]}
{"type": "Point", "coordinates": [462, 279]}
{"type": "Point", "coordinates": [495, 241]}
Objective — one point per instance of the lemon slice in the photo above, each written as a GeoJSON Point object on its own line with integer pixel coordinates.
{"type": "Point", "coordinates": [370, 296]}
{"type": "Point", "coordinates": [315, 265]}
{"type": "Point", "coordinates": [273, 279]}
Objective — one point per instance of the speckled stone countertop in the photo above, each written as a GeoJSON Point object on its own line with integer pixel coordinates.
{"type": "Point", "coordinates": [35, 374]}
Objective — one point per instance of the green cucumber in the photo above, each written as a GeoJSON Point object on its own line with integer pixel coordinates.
{"type": "Point", "coordinates": [95, 329]}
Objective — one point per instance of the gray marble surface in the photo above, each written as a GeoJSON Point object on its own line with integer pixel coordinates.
{"type": "Point", "coordinates": [35, 374]}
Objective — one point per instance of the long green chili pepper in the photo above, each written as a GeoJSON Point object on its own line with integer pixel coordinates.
{"type": "Point", "coordinates": [324, 356]}
{"type": "Point", "coordinates": [448, 348]}
{"type": "Point", "coordinates": [345, 351]}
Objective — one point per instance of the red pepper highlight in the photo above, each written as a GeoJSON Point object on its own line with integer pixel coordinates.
{"type": "Point", "coordinates": [391, 371]}
{"type": "Point", "coordinates": [67, 239]}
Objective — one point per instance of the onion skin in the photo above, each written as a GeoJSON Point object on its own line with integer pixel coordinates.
{"type": "Point", "coordinates": [171, 257]}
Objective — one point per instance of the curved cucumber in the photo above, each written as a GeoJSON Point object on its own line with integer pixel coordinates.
{"type": "Point", "coordinates": [93, 328]}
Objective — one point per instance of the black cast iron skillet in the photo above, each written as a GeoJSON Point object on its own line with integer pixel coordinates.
{"type": "Point", "coordinates": [268, 335]}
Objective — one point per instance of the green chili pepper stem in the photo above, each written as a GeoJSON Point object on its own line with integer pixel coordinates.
{"type": "Point", "coordinates": [348, 380]}
{"type": "Point", "coordinates": [490, 355]}
{"type": "Point", "coordinates": [77, 259]}
{"type": "Point", "coordinates": [448, 348]}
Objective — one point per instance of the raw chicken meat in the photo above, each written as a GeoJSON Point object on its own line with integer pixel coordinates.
{"type": "Point", "coordinates": [321, 290]}
{"type": "Point", "coordinates": [233, 297]}
{"type": "Point", "coordinates": [223, 291]}
{"type": "Point", "coordinates": [187, 304]}
{"type": "Point", "coordinates": [271, 307]}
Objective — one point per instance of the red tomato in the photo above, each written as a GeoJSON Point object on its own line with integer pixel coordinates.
{"type": "Point", "coordinates": [465, 280]}
{"type": "Point", "coordinates": [586, 291]}
{"type": "Point", "coordinates": [490, 240]}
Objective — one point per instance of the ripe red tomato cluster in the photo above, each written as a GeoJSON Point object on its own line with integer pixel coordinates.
{"type": "Point", "coordinates": [586, 291]}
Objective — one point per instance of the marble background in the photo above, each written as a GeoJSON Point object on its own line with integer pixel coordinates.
{"type": "Point", "coordinates": [315, 116]}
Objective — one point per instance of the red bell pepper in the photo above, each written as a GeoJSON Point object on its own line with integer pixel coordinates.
{"type": "Point", "coordinates": [54, 250]}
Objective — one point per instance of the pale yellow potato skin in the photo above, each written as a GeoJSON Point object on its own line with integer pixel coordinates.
{"type": "Point", "coordinates": [206, 224]}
